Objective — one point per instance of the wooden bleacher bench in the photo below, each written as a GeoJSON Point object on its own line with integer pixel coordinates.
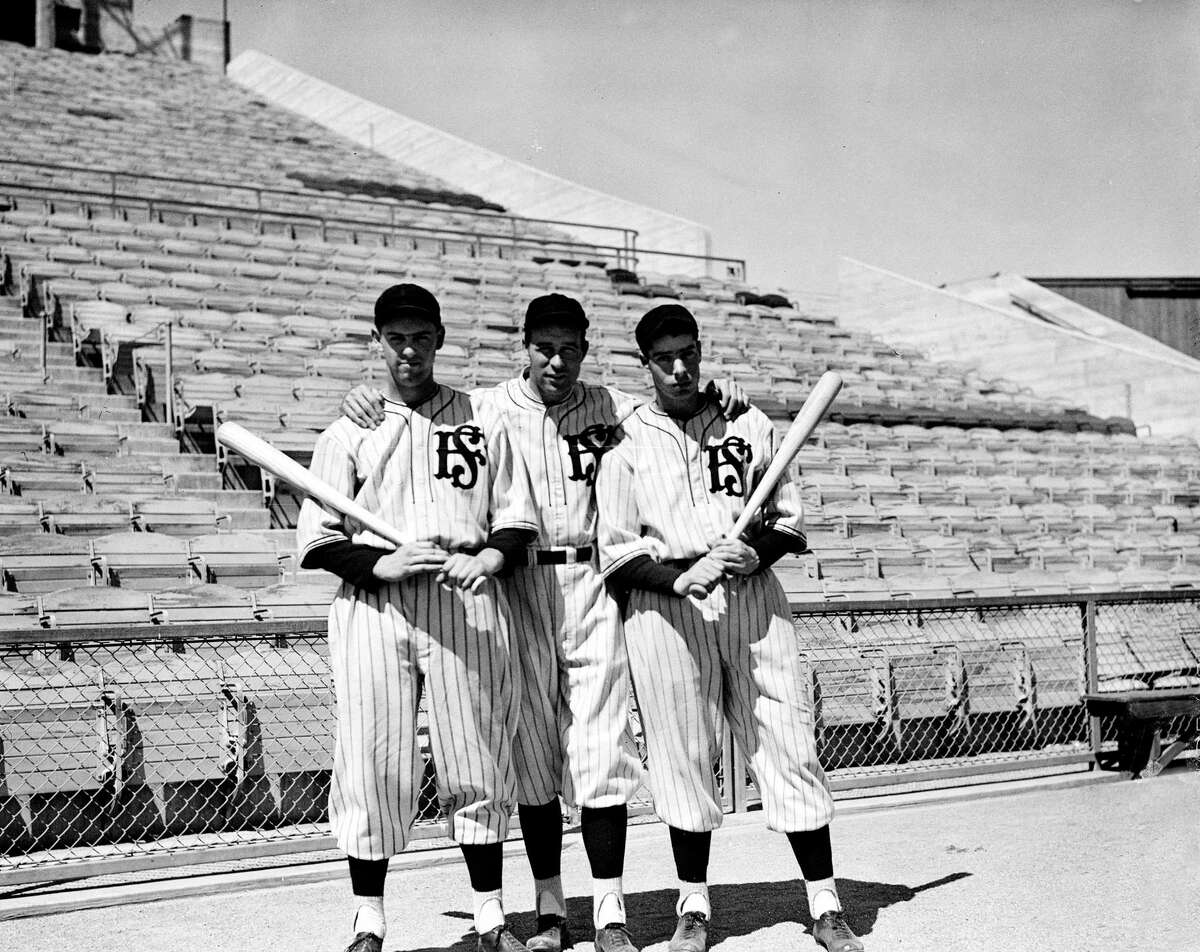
{"type": "Point", "coordinates": [1140, 715]}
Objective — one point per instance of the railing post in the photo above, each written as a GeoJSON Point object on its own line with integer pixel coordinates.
{"type": "Point", "coordinates": [170, 373]}
{"type": "Point", "coordinates": [1091, 671]}
{"type": "Point", "coordinates": [44, 345]}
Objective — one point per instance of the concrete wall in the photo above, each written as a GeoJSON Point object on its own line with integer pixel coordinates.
{"type": "Point", "coordinates": [522, 189]}
{"type": "Point", "coordinates": [1133, 376]}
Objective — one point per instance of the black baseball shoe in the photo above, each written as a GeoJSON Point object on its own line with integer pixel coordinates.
{"type": "Point", "coordinates": [614, 937]}
{"type": "Point", "coordinates": [500, 939]}
{"type": "Point", "coordinates": [691, 934]}
{"type": "Point", "coordinates": [365, 942]}
{"type": "Point", "coordinates": [832, 932]}
{"type": "Point", "coordinates": [552, 935]}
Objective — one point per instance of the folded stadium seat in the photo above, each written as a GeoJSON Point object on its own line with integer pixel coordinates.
{"type": "Point", "coordinates": [176, 515]}
{"type": "Point", "coordinates": [94, 606]}
{"type": "Point", "coordinates": [339, 368]}
{"type": "Point", "coordinates": [855, 589]}
{"type": "Point", "coordinates": [200, 603]}
{"type": "Point", "coordinates": [204, 319]}
{"type": "Point", "coordinates": [943, 552]}
{"type": "Point", "coordinates": [22, 436]}
{"type": "Point", "coordinates": [310, 416]}
{"type": "Point", "coordinates": [832, 488]}
{"type": "Point", "coordinates": [43, 562]}
{"type": "Point", "coordinates": [239, 560]}
{"type": "Point", "coordinates": [142, 561]}
{"type": "Point", "coordinates": [84, 513]}
{"type": "Point", "coordinates": [267, 388]}
{"type": "Point", "coordinates": [319, 389]}
{"type": "Point", "coordinates": [302, 600]}
{"type": "Point", "coordinates": [145, 479]}
{"type": "Point", "coordinates": [31, 477]}
{"type": "Point", "coordinates": [1038, 582]}
{"type": "Point", "coordinates": [19, 516]}
{"type": "Point", "coordinates": [219, 360]}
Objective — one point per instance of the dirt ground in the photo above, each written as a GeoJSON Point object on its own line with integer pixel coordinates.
{"type": "Point", "coordinates": [1096, 867]}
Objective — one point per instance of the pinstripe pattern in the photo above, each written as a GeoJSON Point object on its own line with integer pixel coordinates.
{"type": "Point", "coordinates": [656, 485]}
{"type": "Point", "coordinates": [730, 656]}
{"type": "Point", "coordinates": [440, 472]}
{"type": "Point", "coordinates": [573, 737]}
{"type": "Point", "coordinates": [666, 490]}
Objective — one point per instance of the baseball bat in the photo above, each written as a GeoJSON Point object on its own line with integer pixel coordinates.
{"type": "Point", "coordinates": [814, 408]}
{"type": "Point", "coordinates": [258, 451]}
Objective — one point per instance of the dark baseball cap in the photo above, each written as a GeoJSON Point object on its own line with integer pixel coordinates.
{"type": "Point", "coordinates": [407, 300]}
{"type": "Point", "coordinates": [663, 320]}
{"type": "Point", "coordinates": [555, 309]}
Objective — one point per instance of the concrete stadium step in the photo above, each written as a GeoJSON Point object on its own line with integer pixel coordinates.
{"type": "Point", "coordinates": [188, 463]}
{"type": "Point", "coordinates": [147, 431]}
{"type": "Point", "coordinates": [148, 446]}
{"type": "Point", "coordinates": [191, 481]}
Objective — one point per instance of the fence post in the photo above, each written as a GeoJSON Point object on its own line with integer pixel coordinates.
{"type": "Point", "coordinates": [44, 345]}
{"type": "Point", "coordinates": [1091, 672]}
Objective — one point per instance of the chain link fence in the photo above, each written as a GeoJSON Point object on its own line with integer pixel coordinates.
{"type": "Point", "coordinates": [170, 746]}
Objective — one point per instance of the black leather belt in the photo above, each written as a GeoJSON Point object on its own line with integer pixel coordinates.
{"type": "Point", "coordinates": [562, 556]}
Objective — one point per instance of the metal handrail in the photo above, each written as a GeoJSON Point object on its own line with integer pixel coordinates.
{"type": "Point", "coordinates": [629, 234]}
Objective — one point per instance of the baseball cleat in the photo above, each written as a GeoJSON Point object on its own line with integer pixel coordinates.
{"type": "Point", "coordinates": [552, 935]}
{"type": "Point", "coordinates": [365, 942]}
{"type": "Point", "coordinates": [691, 935]}
{"type": "Point", "coordinates": [614, 937]}
{"type": "Point", "coordinates": [832, 932]}
{"type": "Point", "coordinates": [500, 939]}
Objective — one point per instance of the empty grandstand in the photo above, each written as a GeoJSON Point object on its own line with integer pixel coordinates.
{"type": "Point", "coordinates": [162, 651]}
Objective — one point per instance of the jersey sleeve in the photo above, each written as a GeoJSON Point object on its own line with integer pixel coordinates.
{"type": "Point", "coordinates": [783, 511]}
{"type": "Point", "coordinates": [619, 523]}
{"type": "Point", "coordinates": [319, 525]}
{"type": "Point", "coordinates": [511, 501]}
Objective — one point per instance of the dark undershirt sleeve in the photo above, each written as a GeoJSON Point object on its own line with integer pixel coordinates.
{"type": "Point", "coordinates": [772, 545]}
{"type": "Point", "coordinates": [643, 572]}
{"type": "Point", "coordinates": [352, 562]}
{"type": "Point", "coordinates": [512, 544]}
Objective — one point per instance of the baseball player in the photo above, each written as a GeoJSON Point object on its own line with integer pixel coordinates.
{"type": "Point", "coordinates": [423, 614]}
{"type": "Point", "coordinates": [707, 625]}
{"type": "Point", "coordinates": [573, 737]}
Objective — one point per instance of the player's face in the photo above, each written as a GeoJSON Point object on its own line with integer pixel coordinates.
{"type": "Point", "coordinates": [409, 345]}
{"type": "Point", "coordinates": [555, 359]}
{"type": "Point", "coordinates": [674, 364]}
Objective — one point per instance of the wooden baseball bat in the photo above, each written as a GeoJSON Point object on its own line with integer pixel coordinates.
{"type": "Point", "coordinates": [814, 408]}
{"type": "Point", "coordinates": [258, 451]}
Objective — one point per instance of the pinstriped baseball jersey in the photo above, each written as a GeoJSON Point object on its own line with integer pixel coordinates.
{"type": "Point", "coordinates": [442, 471]}
{"type": "Point", "coordinates": [574, 736]}
{"type": "Point", "coordinates": [439, 471]}
{"type": "Point", "coordinates": [561, 445]}
{"type": "Point", "coordinates": [670, 487]}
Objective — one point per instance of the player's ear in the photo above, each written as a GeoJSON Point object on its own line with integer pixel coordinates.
{"type": "Point", "coordinates": [699, 350]}
{"type": "Point", "coordinates": [644, 359]}
{"type": "Point", "coordinates": [583, 349]}
{"type": "Point", "coordinates": [375, 335]}
{"type": "Point", "coordinates": [441, 337]}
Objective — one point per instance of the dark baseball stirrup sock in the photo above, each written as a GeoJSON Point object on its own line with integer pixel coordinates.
{"type": "Point", "coordinates": [603, 831]}
{"type": "Point", "coordinates": [691, 854]}
{"type": "Point", "coordinates": [367, 875]}
{"type": "Point", "coordinates": [542, 831]}
{"type": "Point", "coordinates": [813, 852]}
{"type": "Point", "coordinates": [485, 865]}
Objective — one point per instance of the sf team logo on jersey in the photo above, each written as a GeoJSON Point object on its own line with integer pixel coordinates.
{"type": "Point", "coordinates": [591, 443]}
{"type": "Point", "coordinates": [727, 465]}
{"type": "Point", "coordinates": [463, 445]}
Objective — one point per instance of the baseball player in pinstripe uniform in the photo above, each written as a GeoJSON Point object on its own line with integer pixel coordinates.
{"type": "Point", "coordinates": [427, 613]}
{"type": "Point", "coordinates": [573, 737]}
{"type": "Point", "coordinates": [708, 628]}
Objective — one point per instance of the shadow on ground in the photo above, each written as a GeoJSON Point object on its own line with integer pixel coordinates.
{"type": "Point", "coordinates": [738, 910]}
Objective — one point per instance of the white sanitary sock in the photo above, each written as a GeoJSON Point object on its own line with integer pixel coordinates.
{"type": "Point", "coordinates": [369, 917]}
{"type": "Point", "coordinates": [608, 902]}
{"type": "Point", "coordinates": [693, 897]}
{"type": "Point", "coordinates": [822, 897]}
{"type": "Point", "coordinates": [549, 899]}
{"type": "Point", "coordinates": [489, 911]}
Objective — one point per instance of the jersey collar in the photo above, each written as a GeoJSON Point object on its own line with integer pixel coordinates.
{"type": "Point", "coordinates": [531, 398]}
{"type": "Point", "coordinates": [706, 405]}
{"type": "Point", "coordinates": [404, 409]}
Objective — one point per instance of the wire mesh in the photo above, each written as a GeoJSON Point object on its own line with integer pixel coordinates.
{"type": "Point", "coordinates": [151, 750]}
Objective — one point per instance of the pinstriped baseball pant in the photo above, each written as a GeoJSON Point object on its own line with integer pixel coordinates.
{"type": "Point", "coordinates": [573, 736]}
{"type": "Point", "coordinates": [733, 655]}
{"type": "Point", "coordinates": [383, 647]}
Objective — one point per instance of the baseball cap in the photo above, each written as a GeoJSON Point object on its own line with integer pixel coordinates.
{"type": "Point", "coordinates": [554, 309]}
{"type": "Point", "coordinates": [662, 320]}
{"type": "Point", "coordinates": [407, 300]}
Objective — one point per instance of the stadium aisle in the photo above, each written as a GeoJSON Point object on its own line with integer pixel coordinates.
{"type": "Point", "coordinates": [1108, 865]}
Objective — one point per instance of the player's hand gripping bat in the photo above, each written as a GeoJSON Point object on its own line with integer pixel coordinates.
{"type": "Point", "coordinates": [258, 451]}
{"type": "Point", "coordinates": [814, 408]}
